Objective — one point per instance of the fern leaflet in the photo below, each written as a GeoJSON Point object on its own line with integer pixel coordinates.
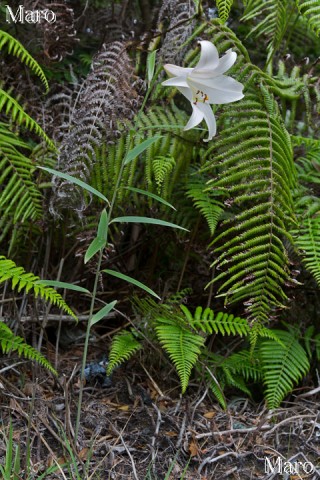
{"type": "Point", "coordinates": [11, 342]}
{"type": "Point", "coordinates": [124, 345]}
{"type": "Point", "coordinates": [205, 201]}
{"type": "Point", "coordinates": [21, 280]}
{"type": "Point", "coordinates": [182, 345]}
{"type": "Point", "coordinates": [310, 9]}
{"type": "Point", "coordinates": [20, 200]}
{"type": "Point", "coordinates": [210, 322]}
{"type": "Point", "coordinates": [224, 7]}
{"type": "Point", "coordinates": [282, 366]}
{"type": "Point", "coordinates": [15, 48]}
{"type": "Point", "coordinates": [308, 240]}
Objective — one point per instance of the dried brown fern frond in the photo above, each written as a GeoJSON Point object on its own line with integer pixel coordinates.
{"type": "Point", "coordinates": [57, 38]}
{"type": "Point", "coordinates": [108, 98]}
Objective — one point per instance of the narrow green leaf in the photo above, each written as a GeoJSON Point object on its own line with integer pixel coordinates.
{"type": "Point", "coordinates": [97, 244]}
{"type": "Point", "coordinates": [153, 221]}
{"type": "Point", "coordinates": [76, 181]}
{"type": "Point", "coordinates": [103, 312]}
{"type": "Point", "coordinates": [151, 195]}
{"type": "Point", "coordinates": [131, 280]}
{"type": "Point", "coordinates": [140, 148]}
{"type": "Point", "coordinates": [151, 61]}
{"type": "Point", "coordinates": [103, 225]}
{"type": "Point", "coordinates": [67, 286]}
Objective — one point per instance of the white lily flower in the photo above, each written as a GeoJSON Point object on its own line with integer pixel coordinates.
{"type": "Point", "coordinates": [205, 84]}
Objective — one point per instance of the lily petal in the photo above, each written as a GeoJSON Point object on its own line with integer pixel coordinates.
{"type": "Point", "coordinates": [196, 117]}
{"type": "Point", "coordinates": [226, 62]}
{"type": "Point", "coordinates": [175, 71]}
{"type": "Point", "coordinates": [176, 82]}
{"type": "Point", "coordinates": [209, 57]}
{"type": "Point", "coordinates": [202, 111]}
{"type": "Point", "coordinates": [209, 119]}
{"type": "Point", "coordinates": [223, 82]}
{"type": "Point", "coordinates": [219, 90]}
{"type": "Point", "coordinates": [186, 92]}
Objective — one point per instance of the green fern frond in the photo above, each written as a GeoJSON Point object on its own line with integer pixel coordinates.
{"type": "Point", "coordinates": [11, 342]}
{"type": "Point", "coordinates": [182, 345]}
{"type": "Point", "coordinates": [235, 381]}
{"type": "Point", "coordinates": [308, 241]}
{"type": "Point", "coordinates": [12, 108]}
{"type": "Point", "coordinates": [317, 344]}
{"type": "Point", "coordinates": [162, 167]}
{"type": "Point", "coordinates": [224, 7]}
{"type": "Point", "coordinates": [15, 48]}
{"type": "Point", "coordinates": [20, 200]}
{"type": "Point", "coordinates": [210, 322]}
{"type": "Point", "coordinates": [205, 201]}
{"type": "Point", "coordinates": [123, 346]}
{"type": "Point", "coordinates": [21, 280]}
{"type": "Point", "coordinates": [216, 389]}
{"type": "Point", "coordinates": [254, 159]}
{"type": "Point", "coordinates": [245, 364]}
{"type": "Point", "coordinates": [273, 24]}
{"type": "Point", "coordinates": [282, 365]}
{"type": "Point", "coordinates": [310, 9]}
{"type": "Point", "coordinates": [158, 169]}
{"type": "Point", "coordinates": [308, 337]}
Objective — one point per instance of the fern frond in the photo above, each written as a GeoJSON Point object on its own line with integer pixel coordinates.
{"type": "Point", "coordinates": [21, 280]}
{"type": "Point", "coordinates": [310, 9]}
{"type": "Point", "coordinates": [216, 388]}
{"type": "Point", "coordinates": [273, 24]}
{"type": "Point", "coordinates": [158, 169]}
{"type": "Point", "coordinates": [182, 345]}
{"type": "Point", "coordinates": [205, 201]}
{"type": "Point", "coordinates": [11, 342]}
{"type": "Point", "coordinates": [282, 365]}
{"type": "Point", "coordinates": [162, 167]}
{"type": "Point", "coordinates": [15, 48]}
{"type": "Point", "coordinates": [308, 241]}
{"type": "Point", "coordinates": [224, 7]}
{"type": "Point", "coordinates": [245, 364]}
{"type": "Point", "coordinates": [210, 322]}
{"type": "Point", "coordinates": [254, 160]}
{"type": "Point", "coordinates": [317, 343]}
{"type": "Point", "coordinates": [123, 346]}
{"type": "Point", "coordinates": [235, 381]}
{"type": "Point", "coordinates": [20, 199]}
{"type": "Point", "coordinates": [12, 108]}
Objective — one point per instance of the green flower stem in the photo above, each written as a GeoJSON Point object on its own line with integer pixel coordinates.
{"type": "Point", "coordinates": [95, 287]}
{"type": "Point", "coordinates": [86, 343]}
{"type": "Point", "coordinates": [93, 299]}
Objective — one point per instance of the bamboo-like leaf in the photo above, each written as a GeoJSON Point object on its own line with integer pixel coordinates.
{"type": "Point", "coordinates": [66, 285]}
{"type": "Point", "coordinates": [151, 62]}
{"type": "Point", "coordinates": [140, 148]}
{"type": "Point", "coordinates": [103, 312]}
{"type": "Point", "coordinates": [147, 220]}
{"type": "Point", "coordinates": [76, 181]}
{"type": "Point", "coordinates": [103, 225]}
{"type": "Point", "coordinates": [151, 195]}
{"type": "Point", "coordinates": [131, 280]}
{"type": "Point", "coordinates": [97, 244]}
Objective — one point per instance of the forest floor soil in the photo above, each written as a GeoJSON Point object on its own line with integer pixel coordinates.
{"type": "Point", "coordinates": [140, 427]}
